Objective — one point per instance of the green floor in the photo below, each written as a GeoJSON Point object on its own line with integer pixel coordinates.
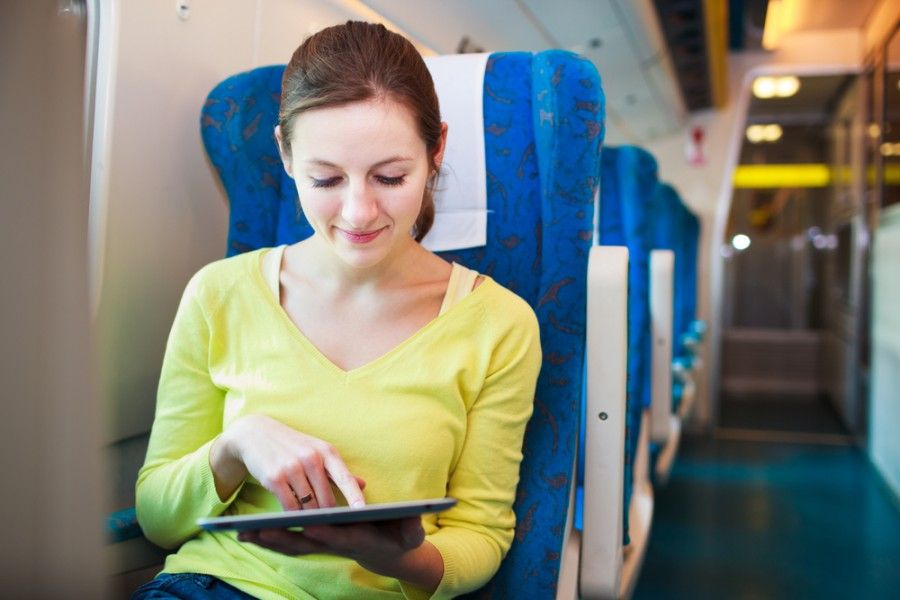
{"type": "Point", "coordinates": [760, 520]}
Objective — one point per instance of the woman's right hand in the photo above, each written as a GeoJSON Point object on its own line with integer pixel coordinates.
{"type": "Point", "coordinates": [290, 464]}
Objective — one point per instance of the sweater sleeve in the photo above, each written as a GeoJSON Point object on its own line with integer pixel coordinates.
{"type": "Point", "coordinates": [176, 486]}
{"type": "Point", "coordinates": [475, 535]}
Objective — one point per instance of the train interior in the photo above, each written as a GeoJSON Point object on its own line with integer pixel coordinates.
{"type": "Point", "coordinates": [714, 242]}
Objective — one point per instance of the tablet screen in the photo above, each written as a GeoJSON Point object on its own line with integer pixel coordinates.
{"type": "Point", "coordinates": [328, 516]}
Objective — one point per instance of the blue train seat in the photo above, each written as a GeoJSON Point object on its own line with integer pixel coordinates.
{"type": "Point", "coordinates": [543, 127]}
{"type": "Point", "coordinates": [628, 178]}
{"type": "Point", "coordinates": [687, 365]}
{"type": "Point", "coordinates": [676, 230]}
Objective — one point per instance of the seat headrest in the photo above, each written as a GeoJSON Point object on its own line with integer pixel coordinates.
{"type": "Point", "coordinates": [461, 194]}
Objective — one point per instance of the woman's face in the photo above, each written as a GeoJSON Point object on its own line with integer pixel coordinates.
{"type": "Point", "coordinates": [361, 171]}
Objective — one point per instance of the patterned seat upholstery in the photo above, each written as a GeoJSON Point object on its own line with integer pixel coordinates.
{"type": "Point", "coordinates": [686, 315]}
{"type": "Point", "coordinates": [629, 176]}
{"type": "Point", "coordinates": [544, 125]}
{"type": "Point", "coordinates": [676, 228]}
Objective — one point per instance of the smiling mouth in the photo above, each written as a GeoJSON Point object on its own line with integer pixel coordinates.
{"type": "Point", "coordinates": [360, 237]}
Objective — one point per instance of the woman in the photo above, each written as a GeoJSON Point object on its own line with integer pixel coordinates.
{"type": "Point", "coordinates": [351, 367]}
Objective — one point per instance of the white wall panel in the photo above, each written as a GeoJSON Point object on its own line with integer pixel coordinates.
{"type": "Point", "coordinates": [49, 450]}
{"type": "Point", "coordinates": [163, 214]}
{"type": "Point", "coordinates": [158, 211]}
{"type": "Point", "coordinates": [284, 24]}
{"type": "Point", "coordinates": [496, 25]}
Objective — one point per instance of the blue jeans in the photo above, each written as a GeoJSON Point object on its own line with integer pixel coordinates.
{"type": "Point", "coordinates": [188, 586]}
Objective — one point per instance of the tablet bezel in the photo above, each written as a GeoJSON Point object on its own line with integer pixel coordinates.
{"type": "Point", "coordinates": [338, 515]}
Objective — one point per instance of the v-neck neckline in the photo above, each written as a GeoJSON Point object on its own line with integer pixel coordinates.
{"type": "Point", "coordinates": [316, 353]}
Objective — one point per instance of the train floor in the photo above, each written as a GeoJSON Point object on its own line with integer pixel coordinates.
{"type": "Point", "coordinates": [771, 417]}
{"type": "Point", "coordinates": [750, 519]}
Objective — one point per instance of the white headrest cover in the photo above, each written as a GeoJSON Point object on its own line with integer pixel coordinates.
{"type": "Point", "coordinates": [461, 198]}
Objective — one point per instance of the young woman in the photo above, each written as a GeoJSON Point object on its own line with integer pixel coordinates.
{"type": "Point", "coordinates": [351, 367]}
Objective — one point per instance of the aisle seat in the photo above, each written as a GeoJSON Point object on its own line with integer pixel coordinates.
{"type": "Point", "coordinates": [676, 231]}
{"type": "Point", "coordinates": [616, 530]}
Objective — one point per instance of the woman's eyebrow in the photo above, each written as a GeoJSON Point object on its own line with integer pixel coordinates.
{"type": "Point", "coordinates": [324, 163]}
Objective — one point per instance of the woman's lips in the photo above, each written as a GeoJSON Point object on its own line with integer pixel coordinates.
{"type": "Point", "coordinates": [360, 237]}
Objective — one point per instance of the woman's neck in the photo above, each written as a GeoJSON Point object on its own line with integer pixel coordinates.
{"type": "Point", "coordinates": [314, 261]}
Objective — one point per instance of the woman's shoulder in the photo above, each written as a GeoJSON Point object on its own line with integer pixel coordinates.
{"type": "Point", "coordinates": [218, 278]}
{"type": "Point", "coordinates": [503, 307]}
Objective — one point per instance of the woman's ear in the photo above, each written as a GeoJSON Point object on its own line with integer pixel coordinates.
{"type": "Point", "coordinates": [441, 147]}
{"type": "Point", "coordinates": [286, 158]}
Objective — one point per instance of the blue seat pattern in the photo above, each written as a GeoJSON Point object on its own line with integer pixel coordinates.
{"type": "Point", "coordinates": [237, 125]}
{"type": "Point", "coordinates": [676, 228]}
{"type": "Point", "coordinates": [628, 178]}
{"type": "Point", "coordinates": [690, 227]}
{"type": "Point", "coordinates": [544, 124]}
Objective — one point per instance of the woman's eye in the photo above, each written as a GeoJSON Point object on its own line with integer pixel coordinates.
{"type": "Point", "coordinates": [390, 180]}
{"type": "Point", "coordinates": [325, 183]}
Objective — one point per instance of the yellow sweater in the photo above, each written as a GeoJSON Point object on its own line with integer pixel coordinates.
{"type": "Point", "coordinates": [443, 413]}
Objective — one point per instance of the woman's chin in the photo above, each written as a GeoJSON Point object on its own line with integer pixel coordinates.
{"type": "Point", "coordinates": [361, 256]}
{"type": "Point", "coordinates": [366, 253]}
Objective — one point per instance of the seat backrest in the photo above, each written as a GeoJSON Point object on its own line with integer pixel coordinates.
{"type": "Point", "coordinates": [690, 227]}
{"type": "Point", "coordinates": [629, 177]}
{"type": "Point", "coordinates": [544, 125]}
{"type": "Point", "coordinates": [676, 228]}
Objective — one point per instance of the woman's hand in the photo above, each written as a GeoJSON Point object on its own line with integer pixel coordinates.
{"type": "Point", "coordinates": [295, 467]}
{"type": "Point", "coordinates": [292, 465]}
{"type": "Point", "coordinates": [389, 548]}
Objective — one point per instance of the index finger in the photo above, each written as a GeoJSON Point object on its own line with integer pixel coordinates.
{"type": "Point", "coordinates": [344, 480]}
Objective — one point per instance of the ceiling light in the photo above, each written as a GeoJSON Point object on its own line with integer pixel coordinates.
{"type": "Point", "coordinates": [764, 133]}
{"type": "Point", "coordinates": [785, 87]}
{"type": "Point", "coordinates": [772, 29]}
{"type": "Point", "coordinates": [780, 19]}
{"type": "Point", "coordinates": [740, 242]}
{"type": "Point", "coordinates": [874, 131]}
{"type": "Point", "coordinates": [755, 134]}
{"type": "Point", "coordinates": [772, 133]}
{"type": "Point", "coordinates": [764, 87]}
{"type": "Point", "coordinates": [775, 87]}
{"type": "Point", "coordinates": [889, 149]}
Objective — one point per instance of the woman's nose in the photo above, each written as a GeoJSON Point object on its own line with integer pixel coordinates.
{"type": "Point", "coordinates": [360, 207]}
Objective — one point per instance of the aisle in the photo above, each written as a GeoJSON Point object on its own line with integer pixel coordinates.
{"type": "Point", "coordinates": [759, 520]}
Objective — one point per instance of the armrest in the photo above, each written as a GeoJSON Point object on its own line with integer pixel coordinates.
{"type": "Point", "coordinates": [604, 477]}
{"type": "Point", "coordinates": [662, 263]}
{"type": "Point", "coordinates": [698, 327]}
{"type": "Point", "coordinates": [684, 371]}
{"type": "Point", "coordinates": [122, 525]}
{"type": "Point", "coordinates": [681, 368]}
{"type": "Point", "coordinates": [666, 457]}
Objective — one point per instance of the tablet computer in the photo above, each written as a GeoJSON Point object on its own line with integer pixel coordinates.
{"type": "Point", "coordinates": [327, 516]}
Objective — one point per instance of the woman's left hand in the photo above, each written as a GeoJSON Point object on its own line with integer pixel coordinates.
{"type": "Point", "coordinates": [359, 541]}
{"type": "Point", "coordinates": [391, 548]}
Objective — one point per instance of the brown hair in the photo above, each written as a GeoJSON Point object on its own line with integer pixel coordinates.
{"type": "Point", "coordinates": [359, 61]}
